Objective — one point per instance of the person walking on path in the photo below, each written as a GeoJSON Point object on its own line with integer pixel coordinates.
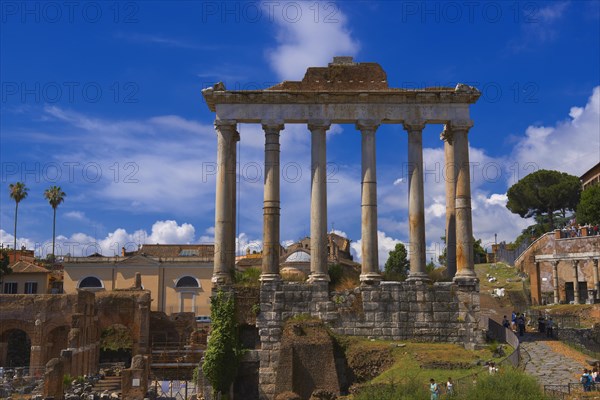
{"type": "Point", "coordinates": [586, 381]}
{"type": "Point", "coordinates": [450, 387]}
{"type": "Point", "coordinates": [505, 322]}
{"type": "Point", "coordinates": [434, 389]}
{"type": "Point", "coordinates": [521, 324]}
{"type": "Point", "coordinates": [549, 328]}
{"type": "Point", "coordinates": [541, 324]}
{"type": "Point", "coordinates": [513, 320]}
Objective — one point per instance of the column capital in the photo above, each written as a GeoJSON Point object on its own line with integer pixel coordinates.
{"type": "Point", "coordinates": [446, 134]}
{"type": "Point", "coordinates": [318, 124]}
{"type": "Point", "coordinates": [575, 263]}
{"type": "Point", "coordinates": [225, 123]}
{"type": "Point", "coordinates": [460, 124]}
{"type": "Point", "coordinates": [554, 263]}
{"type": "Point", "coordinates": [272, 126]}
{"type": "Point", "coordinates": [414, 125]}
{"type": "Point", "coordinates": [367, 124]}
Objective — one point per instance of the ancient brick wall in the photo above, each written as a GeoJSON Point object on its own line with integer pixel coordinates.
{"type": "Point", "coordinates": [442, 312]}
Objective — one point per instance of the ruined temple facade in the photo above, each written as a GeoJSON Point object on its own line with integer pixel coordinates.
{"type": "Point", "coordinates": [357, 93]}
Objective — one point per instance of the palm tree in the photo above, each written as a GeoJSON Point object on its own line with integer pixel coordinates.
{"type": "Point", "coordinates": [18, 191]}
{"type": "Point", "coordinates": [55, 196]}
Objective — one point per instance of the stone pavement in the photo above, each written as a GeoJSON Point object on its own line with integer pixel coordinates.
{"type": "Point", "coordinates": [548, 366]}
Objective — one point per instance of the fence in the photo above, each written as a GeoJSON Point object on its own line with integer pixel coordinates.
{"type": "Point", "coordinates": [565, 391]}
{"type": "Point", "coordinates": [560, 321]}
{"type": "Point", "coordinates": [519, 357]}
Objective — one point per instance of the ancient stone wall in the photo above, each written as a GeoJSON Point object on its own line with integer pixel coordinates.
{"type": "Point", "coordinates": [442, 312]}
{"type": "Point", "coordinates": [587, 338]}
{"type": "Point", "coordinates": [550, 245]}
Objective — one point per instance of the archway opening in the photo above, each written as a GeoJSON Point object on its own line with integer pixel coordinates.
{"type": "Point", "coordinates": [18, 348]}
{"type": "Point", "coordinates": [57, 340]}
{"type": "Point", "coordinates": [116, 345]}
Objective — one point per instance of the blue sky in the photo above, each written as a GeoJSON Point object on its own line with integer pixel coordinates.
{"type": "Point", "coordinates": [103, 99]}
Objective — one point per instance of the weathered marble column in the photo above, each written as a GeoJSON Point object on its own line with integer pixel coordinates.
{"type": "Point", "coordinates": [224, 225]}
{"type": "Point", "coordinates": [271, 204]}
{"type": "Point", "coordinates": [555, 281]}
{"type": "Point", "coordinates": [370, 256]}
{"type": "Point", "coordinates": [465, 268]}
{"type": "Point", "coordinates": [232, 168]}
{"type": "Point", "coordinates": [416, 200]}
{"type": "Point", "coordinates": [596, 277]}
{"type": "Point", "coordinates": [577, 299]}
{"type": "Point", "coordinates": [318, 202]}
{"type": "Point", "coordinates": [450, 177]}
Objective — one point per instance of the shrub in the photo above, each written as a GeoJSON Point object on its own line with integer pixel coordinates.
{"type": "Point", "coordinates": [508, 384]}
{"type": "Point", "coordinates": [248, 277]}
{"type": "Point", "coordinates": [336, 271]}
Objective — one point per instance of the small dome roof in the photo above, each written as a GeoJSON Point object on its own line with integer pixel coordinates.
{"type": "Point", "coordinates": [298, 256]}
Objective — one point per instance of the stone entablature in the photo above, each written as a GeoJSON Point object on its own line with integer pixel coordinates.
{"type": "Point", "coordinates": [442, 312]}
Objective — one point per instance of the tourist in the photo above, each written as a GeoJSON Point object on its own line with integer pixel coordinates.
{"type": "Point", "coordinates": [505, 322]}
{"type": "Point", "coordinates": [549, 327]}
{"type": "Point", "coordinates": [434, 389]}
{"type": "Point", "coordinates": [541, 324]}
{"type": "Point", "coordinates": [521, 324]}
{"type": "Point", "coordinates": [595, 375]}
{"type": "Point", "coordinates": [492, 369]}
{"type": "Point", "coordinates": [514, 321]}
{"type": "Point", "coordinates": [450, 387]}
{"type": "Point", "coordinates": [586, 381]}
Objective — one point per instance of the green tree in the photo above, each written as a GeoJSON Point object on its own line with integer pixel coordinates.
{"type": "Point", "coordinates": [543, 193]}
{"type": "Point", "coordinates": [223, 351]}
{"type": "Point", "coordinates": [397, 265]}
{"type": "Point", "coordinates": [479, 253]}
{"type": "Point", "coordinates": [4, 268]}
{"type": "Point", "coordinates": [588, 210]}
{"type": "Point", "coordinates": [18, 192]}
{"type": "Point", "coordinates": [55, 197]}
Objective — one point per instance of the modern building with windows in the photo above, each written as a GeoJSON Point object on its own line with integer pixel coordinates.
{"type": "Point", "coordinates": [178, 276]}
{"type": "Point", "coordinates": [26, 278]}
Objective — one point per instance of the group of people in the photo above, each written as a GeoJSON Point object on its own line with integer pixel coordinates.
{"type": "Point", "coordinates": [575, 230]}
{"type": "Point", "coordinates": [589, 379]}
{"type": "Point", "coordinates": [435, 389]}
{"type": "Point", "coordinates": [518, 324]}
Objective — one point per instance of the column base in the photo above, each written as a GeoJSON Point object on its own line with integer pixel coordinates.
{"type": "Point", "coordinates": [418, 276]}
{"type": "Point", "coordinates": [318, 277]}
{"type": "Point", "coordinates": [371, 278]}
{"type": "Point", "coordinates": [467, 282]}
{"type": "Point", "coordinates": [270, 277]}
{"type": "Point", "coordinates": [220, 279]}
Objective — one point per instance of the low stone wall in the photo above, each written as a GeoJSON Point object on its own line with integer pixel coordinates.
{"type": "Point", "coordinates": [586, 338]}
{"type": "Point", "coordinates": [442, 312]}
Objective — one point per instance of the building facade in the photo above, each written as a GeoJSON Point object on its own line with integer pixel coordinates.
{"type": "Point", "coordinates": [177, 276]}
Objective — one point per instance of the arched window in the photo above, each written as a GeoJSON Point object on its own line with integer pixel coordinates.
{"type": "Point", "coordinates": [90, 282]}
{"type": "Point", "coordinates": [187, 282]}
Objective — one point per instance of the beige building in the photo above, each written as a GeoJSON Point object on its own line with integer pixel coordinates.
{"type": "Point", "coordinates": [590, 177]}
{"type": "Point", "coordinates": [178, 276]}
{"type": "Point", "coordinates": [26, 278]}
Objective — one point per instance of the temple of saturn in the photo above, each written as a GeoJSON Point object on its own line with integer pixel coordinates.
{"type": "Point", "coordinates": [346, 92]}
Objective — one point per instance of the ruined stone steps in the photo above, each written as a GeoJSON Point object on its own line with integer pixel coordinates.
{"type": "Point", "coordinates": [109, 383]}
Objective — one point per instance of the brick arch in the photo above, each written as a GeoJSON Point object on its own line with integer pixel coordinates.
{"type": "Point", "coordinates": [11, 324]}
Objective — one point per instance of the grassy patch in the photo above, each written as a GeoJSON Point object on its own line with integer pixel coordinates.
{"type": "Point", "coordinates": [420, 361]}
{"type": "Point", "coordinates": [507, 277]}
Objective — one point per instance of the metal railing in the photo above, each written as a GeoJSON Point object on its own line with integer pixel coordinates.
{"type": "Point", "coordinates": [565, 391]}
{"type": "Point", "coordinates": [519, 357]}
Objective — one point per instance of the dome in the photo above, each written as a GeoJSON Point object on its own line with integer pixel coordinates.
{"type": "Point", "coordinates": [298, 256]}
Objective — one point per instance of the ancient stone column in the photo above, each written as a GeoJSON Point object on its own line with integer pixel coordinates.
{"type": "Point", "coordinates": [318, 202]}
{"type": "Point", "coordinates": [555, 281]}
{"type": "Point", "coordinates": [596, 277]}
{"type": "Point", "coordinates": [450, 178]}
{"type": "Point", "coordinates": [370, 256]}
{"type": "Point", "coordinates": [577, 299]}
{"type": "Point", "coordinates": [416, 202]}
{"type": "Point", "coordinates": [465, 269]}
{"type": "Point", "coordinates": [224, 225]}
{"type": "Point", "coordinates": [232, 171]}
{"type": "Point", "coordinates": [271, 204]}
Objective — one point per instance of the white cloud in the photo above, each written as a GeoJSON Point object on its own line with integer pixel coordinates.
{"type": "Point", "coordinates": [7, 240]}
{"type": "Point", "coordinates": [385, 245]}
{"type": "Point", "coordinates": [571, 145]}
{"type": "Point", "coordinates": [306, 40]}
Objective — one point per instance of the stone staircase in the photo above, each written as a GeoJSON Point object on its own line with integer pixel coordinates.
{"type": "Point", "coordinates": [109, 383]}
